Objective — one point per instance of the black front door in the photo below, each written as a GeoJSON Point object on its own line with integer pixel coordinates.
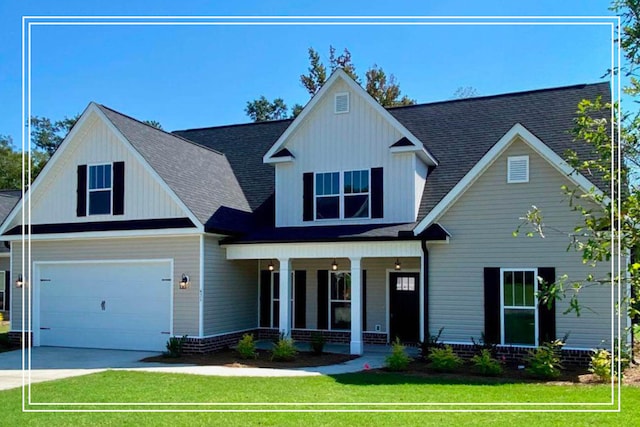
{"type": "Point", "coordinates": [404, 306]}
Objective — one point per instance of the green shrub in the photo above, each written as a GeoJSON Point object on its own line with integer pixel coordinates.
{"type": "Point", "coordinates": [432, 341]}
{"type": "Point", "coordinates": [485, 364]}
{"type": "Point", "coordinates": [398, 360]}
{"type": "Point", "coordinates": [317, 343]}
{"type": "Point", "coordinates": [284, 350]}
{"type": "Point", "coordinates": [600, 365]}
{"type": "Point", "coordinates": [484, 344]}
{"type": "Point", "coordinates": [444, 359]}
{"type": "Point", "coordinates": [544, 361]}
{"type": "Point", "coordinates": [174, 346]}
{"type": "Point", "coordinates": [247, 347]}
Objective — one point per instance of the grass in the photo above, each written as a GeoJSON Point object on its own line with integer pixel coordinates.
{"type": "Point", "coordinates": [121, 386]}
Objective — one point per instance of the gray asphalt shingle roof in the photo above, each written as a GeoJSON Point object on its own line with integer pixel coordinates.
{"type": "Point", "coordinates": [201, 177]}
{"type": "Point", "coordinates": [8, 199]}
{"type": "Point", "coordinates": [458, 133]}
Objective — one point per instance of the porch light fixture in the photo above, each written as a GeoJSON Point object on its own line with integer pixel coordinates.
{"type": "Point", "coordinates": [184, 282]}
{"type": "Point", "coordinates": [334, 265]}
{"type": "Point", "coordinates": [270, 267]}
{"type": "Point", "coordinates": [19, 281]}
{"type": "Point", "coordinates": [398, 265]}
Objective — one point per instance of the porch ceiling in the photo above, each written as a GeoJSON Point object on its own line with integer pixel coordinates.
{"type": "Point", "coordinates": [410, 248]}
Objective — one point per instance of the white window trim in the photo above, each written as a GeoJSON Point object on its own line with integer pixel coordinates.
{"type": "Point", "coordinates": [336, 300]}
{"type": "Point", "coordinates": [89, 191]}
{"type": "Point", "coordinates": [517, 158]}
{"type": "Point", "coordinates": [535, 307]}
{"type": "Point", "coordinates": [341, 195]}
{"type": "Point", "coordinates": [335, 102]}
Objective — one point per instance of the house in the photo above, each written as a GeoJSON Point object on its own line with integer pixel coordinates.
{"type": "Point", "coordinates": [360, 222]}
{"type": "Point", "coordinates": [8, 199]}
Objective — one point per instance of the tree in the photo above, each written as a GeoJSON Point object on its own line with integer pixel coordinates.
{"type": "Point", "coordinates": [10, 165]}
{"type": "Point", "coordinates": [601, 217]}
{"type": "Point", "coordinates": [153, 123]}
{"type": "Point", "coordinates": [262, 109]}
{"type": "Point", "coordinates": [465, 92]}
{"type": "Point", "coordinates": [47, 135]}
{"type": "Point", "coordinates": [382, 87]}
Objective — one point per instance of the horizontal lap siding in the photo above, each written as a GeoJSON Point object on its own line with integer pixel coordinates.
{"type": "Point", "coordinates": [183, 250]}
{"type": "Point", "coordinates": [481, 223]}
{"type": "Point", "coordinates": [230, 291]}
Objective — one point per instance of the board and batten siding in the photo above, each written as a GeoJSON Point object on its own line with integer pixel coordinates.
{"type": "Point", "coordinates": [357, 140]}
{"type": "Point", "coordinates": [377, 277]}
{"type": "Point", "coordinates": [185, 252]}
{"type": "Point", "coordinates": [54, 200]}
{"type": "Point", "coordinates": [481, 223]}
{"type": "Point", "coordinates": [230, 291]}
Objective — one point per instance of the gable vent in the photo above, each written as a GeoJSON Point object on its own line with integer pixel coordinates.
{"type": "Point", "coordinates": [342, 103]}
{"type": "Point", "coordinates": [517, 169]}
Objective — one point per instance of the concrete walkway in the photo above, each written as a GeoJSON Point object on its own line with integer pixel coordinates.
{"type": "Point", "coordinates": [52, 363]}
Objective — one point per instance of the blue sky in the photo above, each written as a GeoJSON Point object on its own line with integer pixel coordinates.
{"type": "Point", "coordinates": [198, 76]}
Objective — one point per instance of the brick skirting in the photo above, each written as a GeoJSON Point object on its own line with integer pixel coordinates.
{"type": "Point", "coordinates": [570, 358]}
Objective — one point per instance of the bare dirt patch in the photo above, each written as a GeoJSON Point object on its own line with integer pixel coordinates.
{"type": "Point", "coordinates": [231, 358]}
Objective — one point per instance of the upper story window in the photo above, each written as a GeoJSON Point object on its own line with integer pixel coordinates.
{"type": "Point", "coordinates": [100, 186]}
{"type": "Point", "coordinates": [327, 195]}
{"type": "Point", "coordinates": [343, 195]}
{"type": "Point", "coordinates": [356, 194]}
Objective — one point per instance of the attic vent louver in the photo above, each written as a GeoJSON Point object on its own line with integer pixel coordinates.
{"type": "Point", "coordinates": [342, 103]}
{"type": "Point", "coordinates": [517, 169]}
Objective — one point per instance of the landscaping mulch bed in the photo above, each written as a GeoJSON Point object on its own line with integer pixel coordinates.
{"type": "Point", "coordinates": [232, 359]}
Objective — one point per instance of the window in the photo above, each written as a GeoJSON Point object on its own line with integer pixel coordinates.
{"type": "Point", "coordinates": [99, 190]}
{"type": "Point", "coordinates": [327, 195]}
{"type": "Point", "coordinates": [519, 314]}
{"type": "Point", "coordinates": [405, 283]}
{"type": "Point", "coordinates": [517, 169]}
{"type": "Point", "coordinates": [356, 194]}
{"type": "Point", "coordinates": [350, 202]}
{"type": "Point", "coordinates": [340, 300]}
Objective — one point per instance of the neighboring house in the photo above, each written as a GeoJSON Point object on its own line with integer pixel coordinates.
{"type": "Point", "coordinates": [361, 222]}
{"type": "Point", "coordinates": [8, 199]}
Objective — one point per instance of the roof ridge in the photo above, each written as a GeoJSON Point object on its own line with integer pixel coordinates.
{"type": "Point", "coordinates": [501, 95]}
{"type": "Point", "coordinates": [234, 125]}
{"type": "Point", "coordinates": [162, 130]}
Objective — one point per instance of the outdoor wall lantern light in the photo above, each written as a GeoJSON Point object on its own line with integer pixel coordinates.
{"type": "Point", "coordinates": [334, 265]}
{"type": "Point", "coordinates": [184, 282]}
{"type": "Point", "coordinates": [270, 267]}
{"type": "Point", "coordinates": [19, 281]}
{"type": "Point", "coordinates": [398, 265]}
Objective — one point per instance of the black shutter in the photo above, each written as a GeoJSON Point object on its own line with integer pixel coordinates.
{"type": "Point", "coordinates": [7, 290]}
{"type": "Point", "coordinates": [377, 193]}
{"type": "Point", "coordinates": [118, 188]}
{"type": "Point", "coordinates": [265, 298]}
{"type": "Point", "coordinates": [307, 196]}
{"type": "Point", "coordinates": [323, 299]}
{"type": "Point", "coordinates": [546, 315]}
{"type": "Point", "coordinates": [364, 300]}
{"type": "Point", "coordinates": [81, 190]}
{"type": "Point", "coordinates": [492, 305]}
{"type": "Point", "coordinates": [300, 306]}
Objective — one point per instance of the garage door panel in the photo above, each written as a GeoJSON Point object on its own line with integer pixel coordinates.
{"type": "Point", "coordinates": [123, 305]}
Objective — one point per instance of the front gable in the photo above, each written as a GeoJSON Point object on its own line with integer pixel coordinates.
{"type": "Point", "coordinates": [67, 190]}
{"type": "Point", "coordinates": [344, 132]}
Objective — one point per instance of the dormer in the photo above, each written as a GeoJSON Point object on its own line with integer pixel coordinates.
{"type": "Point", "coordinates": [346, 160]}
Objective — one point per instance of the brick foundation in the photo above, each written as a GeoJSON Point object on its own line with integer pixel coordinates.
{"type": "Point", "coordinates": [570, 358]}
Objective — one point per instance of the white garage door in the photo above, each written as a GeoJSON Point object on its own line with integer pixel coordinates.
{"type": "Point", "coordinates": [119, 305]}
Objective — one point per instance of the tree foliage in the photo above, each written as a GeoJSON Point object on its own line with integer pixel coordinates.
{"type": "Point", "coordinates": [381, 86]}
{"type": "Point", "coordinates": [47, 135]}
{"type": "Point", "coordinates": [465, 92]}
{"type": "Point", "coordinates": [605, 217]}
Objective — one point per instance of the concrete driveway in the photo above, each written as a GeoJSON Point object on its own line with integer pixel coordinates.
{"type": "Point", "coordinates": [52, 363]}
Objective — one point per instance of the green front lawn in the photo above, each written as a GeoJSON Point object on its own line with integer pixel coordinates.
{"type": "Point", "coordinates": [119, 386]}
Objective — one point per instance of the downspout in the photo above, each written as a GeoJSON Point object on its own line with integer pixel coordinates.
{"type": "Point", "coordinates": [425, 280]}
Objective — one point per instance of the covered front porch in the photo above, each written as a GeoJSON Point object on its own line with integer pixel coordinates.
{"type": "Point", "coordinates": [351, 292]}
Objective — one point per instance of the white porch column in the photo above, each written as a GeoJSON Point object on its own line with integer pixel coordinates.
{"type": "Point", "coordinates": [356, 306]}
{"type": "Point", "coordinates": [285, 296]}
